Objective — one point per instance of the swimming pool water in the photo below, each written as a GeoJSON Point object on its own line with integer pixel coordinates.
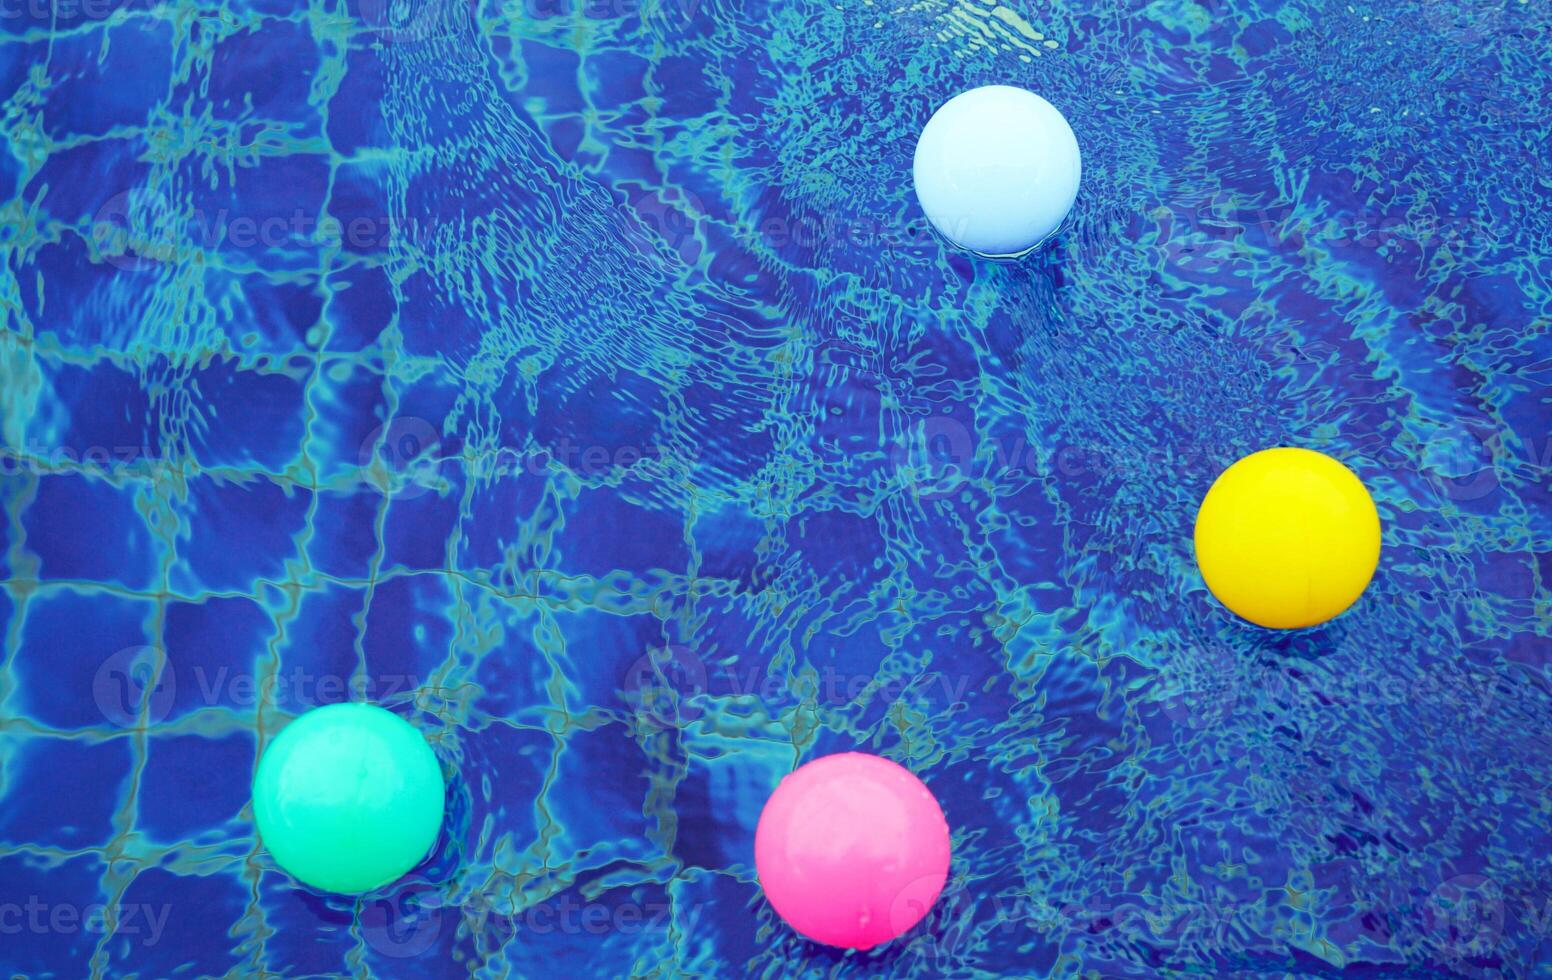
{"type": "Point", "coordinates": [579, 379]}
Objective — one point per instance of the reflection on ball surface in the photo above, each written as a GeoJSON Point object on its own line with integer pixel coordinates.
{"type": "Point", "coordinates": [1287, 538]}
{"type": "Point", "coordinates": [997, 169]}
{"type": "Point", "coordinates": [852, 850]}
{"type": "Point", "coordinates": [348, 798]}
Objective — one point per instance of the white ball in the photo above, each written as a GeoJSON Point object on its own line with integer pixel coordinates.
{"type": "Point", "coordinates": [997, 170]}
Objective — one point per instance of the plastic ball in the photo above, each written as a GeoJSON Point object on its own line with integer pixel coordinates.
{"type": "Point", "coordinates": [1287, 538]}
{"type": "Point", "coordinates": [997, 169]}
{"type": "Point", "coordinates": [851, 850]}
{"type": "Point", "coordinates": [348, 798]}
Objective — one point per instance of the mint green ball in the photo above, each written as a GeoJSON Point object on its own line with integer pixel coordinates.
{"type": "Point", "coordinates": [348, 797]}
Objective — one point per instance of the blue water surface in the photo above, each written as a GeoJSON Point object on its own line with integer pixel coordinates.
{"type": "Point", "coordinates": [580, 379]}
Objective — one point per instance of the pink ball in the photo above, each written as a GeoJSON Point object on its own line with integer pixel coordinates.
{"type": "Point", "coordinates": [852, 850]}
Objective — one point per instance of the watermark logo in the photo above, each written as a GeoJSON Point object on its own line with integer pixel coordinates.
{"type": "Point", "coordinates": [668, 686]}
{"type": "Point", "coordinates": [915, 902]}
{"type": "Point", "coordinates": [659, 217]}
{"type": "Point", "coordinates": [660, 687]}
{"type": "Point", "coordinates": [140, 681]}
{"type": "Point", "coordinates": [406, 923]}
{"type": "Point", "coordinates": [934, 457]}
{"type": "Point", "coordinates": [1200, 689]}
{"type": "Point", "coordinates": [1202, 227]}
{"type": "Point", "coordinates": [125, 230]}
{"type": "Point", "coordinates": [139, 922]}
{"type": "Point", "coordinates": [1465, 22]}
{"type": "Point", "coordinates": [125, 460]}
{"type": "Point", "coordinates": [134, 681]}
{"type": "Point", "coordinates": [1470, 462]}
{"type": "Point", "coordinates": [410, 921]}
{"type": "Point", "coordinates": [401, 458]}
{"type": "Point", "coordinates": [407, 457]}
{"type": "Point", "coordinates": [1464, 916]}
{"type": "Point", "coordinates": [65, 14]}
{"type": "Point", "coordinates": [415, 21]}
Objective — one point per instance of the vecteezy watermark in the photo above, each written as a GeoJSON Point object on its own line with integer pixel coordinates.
{"type": "Point", "coordinates": [419, 21]}
{"type": "Point", "coordinates": [141, 683]}
{"type": "Point", "coordinates": [1469, 463]}
{"type": "Point", "coordinates": [647, 10]}
{"type": "Point", "coordinates": [940, 455]}
{"type": "Point", "coordinates": [1464, 916]}
{"type": "Point", "coordinates": [416, 21]}
{"type": "Point", "coordinates": [661, 217]}
{"type": "Point", "coordinates": [121, 460]}
{"type": "Point", "coordinates": [417, 913]}
{"type": "Point", "coordinates": [67, 13]}
{"type": "Point", "coordinates": [139, 229]}
{"type": "Point", "coordinates": [668, 686]}
{"type": "Point", "coordinates": [134, 682]}
{"type": "Point", "coordinates": [1470, 919]}
{"type": "Point", "coordinates": [141, 922]}
{"type": "Point", "coordinates": [402, 457]}
{"type": "Point", "coordinates": [1199, 687]}
{"type": "Point", "coordinates": [1466, 21]}
{"type": "Point", "coordinates": [1215, 224]}
{"type": "Point", "coordinates": [408, 456]}
{"type": "Point", "coordinates": [935, 457]}
{"type": "Point", "coordinates": [963, 916]}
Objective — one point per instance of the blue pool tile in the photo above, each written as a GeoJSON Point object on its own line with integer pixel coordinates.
{"type": "Point", "coordinates": [85, 660]}
{"type": "Point", "coordinates": [430, 324]}
{"type": "Point", "coordinates": [265, 70]}
{"type": "Point", "coordinates": [107, 423]}
{"type": "Point", "coordinates": [360, 306]}
{"type": "Point", "coordinates": [72, 300]}
{"type": "Point", "coordinates": [604, 532]}
{"type": "Point", "coordinates": [554, 73]}
{"type": "Point", "coordinates": [181, 910]}
{"type": "Point", "coordinates": [179, 800]}
{"type": "Point", "coordinates": [259, 411]}
{"type": "Point", "coordinates": [723, 807]}
{"type": "Point", "coordinates": [349, 404]}
{"type": "Point", "coordinates": [64, 793]}
{"type": "Point", "coordinates": [311, 931]}
{"type": "Point", "coordinates": [318, 653]}
{"type": "Point", "coordinates": [52, 913]}
{"type": "Point", "coordinates": [239, 533]}
{"type": "Point", "coordinates": [7, 466]}
{"type": "Point", "coordinates": [86, 528]}
{"type": "Point", "coordinates": [107, 77]}
{"type": "Point", "coordinates": [503, 531]}
{"type": "Point", "coordinates": [355, 112]}
{"type": "Point", "coordinates": [348, 548]}
{"type": "Point", "coordinates": [420, 520]}
{"type": "Point", "coordinates": [359, 206]}
{"type": "Point", "coordinates": [265, 316]}
{"type": "Point", "coordinates": [613, 821]}
{"type": "Point", "coordinates": [116, 163]}
{"type": "Point", "coordinates": [526, 756]}
{"type": "Point", "coordinates": [215, 648]}
{"type": "Point", "coordinates": [608, 658]}
{"type": "Point", "coordinates": [512, 680]}
{"type": "Point", "coordinates": [409, 630]}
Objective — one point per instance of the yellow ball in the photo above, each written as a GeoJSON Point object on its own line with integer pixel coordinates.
{"type": "Point", "coordinates": [1287, 538]}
